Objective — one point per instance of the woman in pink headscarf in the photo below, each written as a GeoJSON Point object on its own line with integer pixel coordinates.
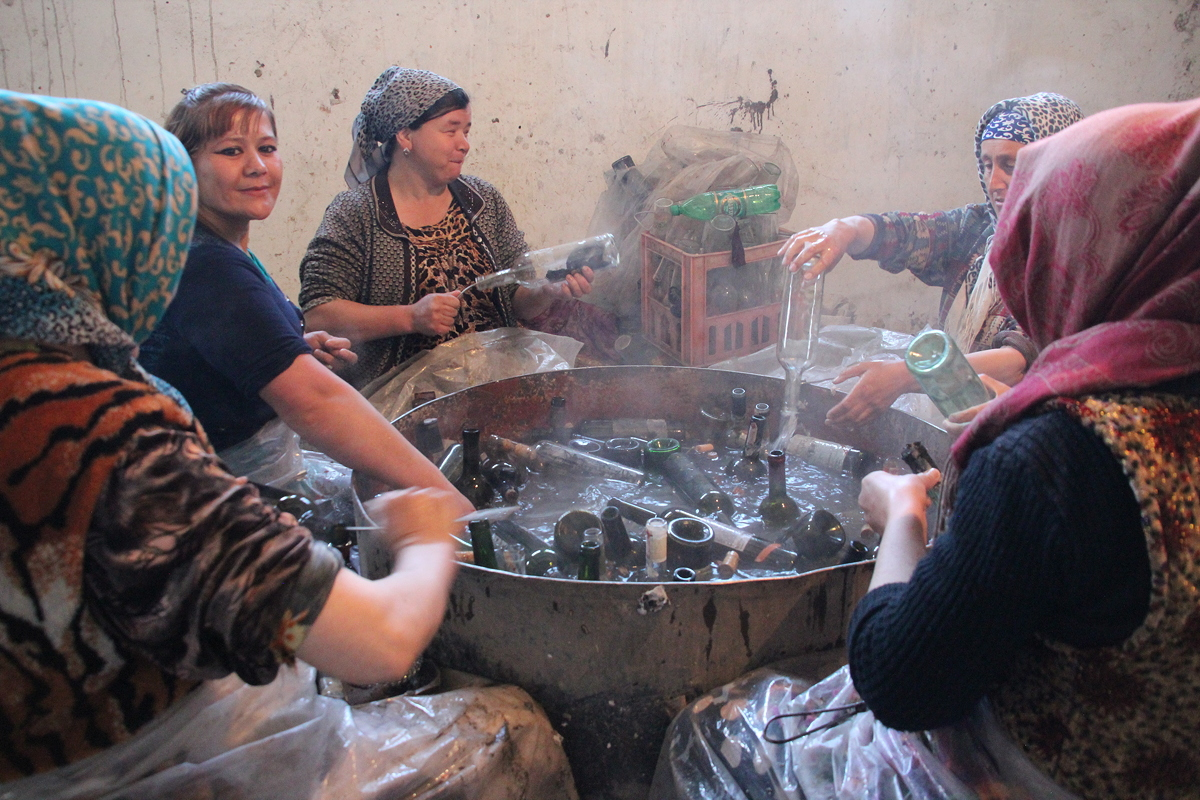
{"type": "Point", "coordinates": [1066, 590]}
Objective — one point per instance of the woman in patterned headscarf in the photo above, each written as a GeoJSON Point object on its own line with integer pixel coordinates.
{"type": "Point", "coordinates": [946, 249]}
{"type": "Point", "coordinates": [133, 566]}
{"type": "Point", "coordinates": [392, 261]}
{"type": "Point", "coordinates": [1047, 644]}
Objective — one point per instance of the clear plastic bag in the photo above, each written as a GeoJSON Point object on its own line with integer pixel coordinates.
{"type": "Point", "coordinates": [716, 748]}
{"type": "Point", "coordinates": [283, 740]}
{"type": "Point", "coordinates": [271, 456]}
{"type": "Point", "coordinates": [685, 162]}
{"type": "Point", "coordinates": [469, 360]}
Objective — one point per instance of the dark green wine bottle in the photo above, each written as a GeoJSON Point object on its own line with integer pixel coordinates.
{"type": "Point", "coordinates": [591, 558]}
{"type": "Point", "coordinates": [778, 509]}
{"type": "Point", "coordinates": [481, 543]}
{"type": "Point", "coordinates": [472, 484]}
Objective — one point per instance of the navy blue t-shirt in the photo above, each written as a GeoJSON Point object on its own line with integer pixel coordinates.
{"type": "Point", "coordinates": [228, 332]}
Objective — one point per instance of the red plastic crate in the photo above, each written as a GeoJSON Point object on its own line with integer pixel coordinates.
{"type": "Point", "coordinates": [696, 338]}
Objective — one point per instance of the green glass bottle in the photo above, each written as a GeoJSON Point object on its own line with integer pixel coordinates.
{"type": "Point", "coordinates": [591, 556]}
{"type": "Point", "coordinates": [472, 484]}
{"type": "Point", "coordinates": [778, 509]}
{"type": "Point", "coordinates": [944, 373]}
{"type": "Point", "coordinates": [481, 543]}
{"type": "Point", "coordinates": [735, 203]}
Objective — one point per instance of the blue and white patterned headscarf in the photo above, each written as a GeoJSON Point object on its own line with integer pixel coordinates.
{"type": "Point", "coordinates": [1024, 120]}
{"type": "Point", "coordinates": [97, 206]}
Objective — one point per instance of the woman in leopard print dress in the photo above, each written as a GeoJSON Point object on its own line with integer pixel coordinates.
{"type": "Point", "coordinates": [392, 262]}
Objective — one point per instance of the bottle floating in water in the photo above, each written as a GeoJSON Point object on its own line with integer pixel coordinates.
{"type": "Point", "coordinates": [689, 543]}
{"type": "Point", "coordinates": [778, 509]}
{"type": "Point", "coordinates": [755, 551]}
{"type": "Point", "coordinates": [472, 484]}
{"type": "Point", "coordinates": [554, 264]}
{"type": "Point", "coordinates": [569, 531]}
{"type": "Point", "coordinates": [481, 543]}
{"type": "Point", "coordinates": [819, 539]}
{"type": "Point", "coordinates": [944, 373]}
{"type": "Point", "coordinates": [735, 431]}
{"type": "Point", "coordinates": [591, 556]}
{"type": "Point", "coordinates": [735, 203]}
{"type": "Point", "coordinates": [693, 484]}
{"type": "Point", "coordinates": [513, 452]}
{"type": "Point", "coordinates": [605, 429]}
{"type": "Point", "coordinates": [750, 468]}
{"type": "Point", "coordinates": [829, 456]}
{"type": "Point", "coordinates": [557, 457]}
{"type": "Point", "coordinates": [451, 465]}
{"type": "Point", "coordinates": [428, 439]}
{"type": "Point", "coordinates": [656, 546]}
{"type": "Point", "coordinates": [616, 537]}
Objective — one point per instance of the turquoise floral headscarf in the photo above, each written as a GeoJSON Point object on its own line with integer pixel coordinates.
{"type": "Point", "coordinates": [97, 206]}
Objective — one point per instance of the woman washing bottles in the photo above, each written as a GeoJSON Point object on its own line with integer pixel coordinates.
{"type": "Point", "coordinates": [1045, 645]}
{"type": "Point", "coordinates": [946, 249]}
{"type": "Point", "coordinates": [390, 264]}
{"type": "Point", "coordinates": [230, 341]}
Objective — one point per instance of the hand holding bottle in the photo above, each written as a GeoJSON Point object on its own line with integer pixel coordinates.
{"type": "Point", "coordinates": [434, 314]}
{"type": "Point", "coordinates": [959, 421]}
{"type": "Point", "coordinates": [825, 245]}
{"type": "Point", "coordinates": [885, 496]}
{"type": "Point", "coordinates": [417, 516]}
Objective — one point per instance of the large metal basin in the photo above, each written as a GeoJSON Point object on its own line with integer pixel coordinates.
{"type": "Point", "coordinates": [610, 677]}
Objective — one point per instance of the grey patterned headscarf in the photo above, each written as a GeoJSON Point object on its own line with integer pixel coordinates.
{"type": "Point", "coordinates": [397, 98]}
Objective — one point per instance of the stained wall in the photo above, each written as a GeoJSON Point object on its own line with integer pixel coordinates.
{"type": "Point", "coordinates": [877, 99]}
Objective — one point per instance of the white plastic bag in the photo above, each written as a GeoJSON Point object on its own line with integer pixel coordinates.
{"type": "Point", "coordinates": [716, 748]}
{"type": "Point", "coordinates": [283, 740]}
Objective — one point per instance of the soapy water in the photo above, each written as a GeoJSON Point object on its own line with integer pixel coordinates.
{"type": "Point", "coordinates": [544, 498]}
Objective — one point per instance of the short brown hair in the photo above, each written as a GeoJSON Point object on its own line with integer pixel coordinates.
{"type": "Point", "coordinates": [207, 112]}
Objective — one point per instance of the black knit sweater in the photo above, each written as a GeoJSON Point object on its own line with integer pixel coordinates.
{"type": "Point", "coordinates": [1046, 539]}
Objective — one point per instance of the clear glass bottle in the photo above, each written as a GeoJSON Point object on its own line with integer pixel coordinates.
{"type": "Point", "coordinates": [472, 484]}
{"type": "Point", "coordinates": [451, 465]}
{"type": "Point", "coordinates": [778, 509]}
{"type": "Point", "coordinates": [795, 349]}
{"type": "Point", "coordinates": [554, 264]}
{"type": "Point", "coordinates": [481, 543]}
{"type": "Point", "coordinates": [830, 456]}
{"type": "Point", "coordinates": [557, 457]}
{"type": "Point", "coordinates": [944, 373]}
{"type": "Point", "coordinates": [750, 468]}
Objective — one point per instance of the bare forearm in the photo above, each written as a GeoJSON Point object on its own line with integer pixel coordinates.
{"type": "Point", "coordinates": [1005, 364]}
{"type": "Point", "coordinates": [531, 303]}
{"type": "Point", "coordinates": [359, 322]}
{"type": "Point", "coordinates": [902, 546]}
{"type": "Point", "coordinates": [373, 631]}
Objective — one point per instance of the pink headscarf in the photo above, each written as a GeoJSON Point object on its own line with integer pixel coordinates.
{"type": "Point", "coordinates": [1097, 256]}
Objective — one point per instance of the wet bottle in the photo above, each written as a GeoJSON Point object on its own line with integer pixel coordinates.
{"type": "Point", "coordinates": [540, 557]}
{"type": "Point", "coordinates": [690, 481]}
{"type": "Point", "coordinates": [429, 439]}
{"type": "Point", "coordinates": [560, 431]}
{"type": "Point", "coordinates": [451, 465]}
{"type": "Point", "coordinates": [944, 373]}
{"type": "Point", "coordinates": [616, 538]}
{"type": "Point", "coordinates": [472, 484]}
{"type": "Point", "coordinates": [506, 480]}
{"type": "Point", "coordinates": [735, 203]}
{"type": "Point", "coordinates": [750, 468]}
{"type": "Point", "coordinates": [481, 543]}
{"type": "Point", "coordinates": [656, 546]}
{"type": "Point", "coordinates": [557, 457]}
{"type": "Point", "coordinates": [516, 453]}
{"type": "Point", "coordinates": [778, 510]}
{"type": "Point", "coordinates": [591, 556]}
{"type": "Point", "coordinates": [734, 437]}
{"type": "Point", "coordinates": [830, 456]}
{"type": "Point", "coordinates": [917, 458]}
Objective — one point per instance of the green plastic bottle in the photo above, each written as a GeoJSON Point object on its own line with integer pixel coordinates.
{"type": "Point", "coordinates": [735, 202]}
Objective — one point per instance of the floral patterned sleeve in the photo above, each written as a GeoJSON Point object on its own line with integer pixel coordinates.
{"type": "Point", "coordinates": [937, 247]}
{"type": "Point", "coordinates": [187, 565]}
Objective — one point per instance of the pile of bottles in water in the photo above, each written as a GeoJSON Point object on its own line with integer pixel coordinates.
{"type": "Point", "coordinates": [681, 544]}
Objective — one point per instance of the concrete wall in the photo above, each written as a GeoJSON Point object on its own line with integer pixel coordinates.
{"type": "Point", "coordinates": [878, 99]}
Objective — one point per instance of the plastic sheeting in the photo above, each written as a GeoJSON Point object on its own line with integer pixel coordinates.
{"type": "Point", "coordinates": [685, 162]}
{"type": "Point", "coordinates": [469, 360]}
{"type": "Point", "coordinates": [716, 749]}
{"type": "Point", "coordinates": [838, 348]}
{"type": "Point", "coordinates": [283, 740]}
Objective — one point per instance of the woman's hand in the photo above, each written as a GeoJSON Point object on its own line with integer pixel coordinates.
{"type": "Point", "coordinates": [880, 383]}
{"type": "Point", "coordinates": [825, 245]}
{"type": "Point", "coordinates": [577, 284]}
{"type": "Point", "coordinates": [417, 516]}
{"type": "Point", "coordinates": [886, 497]}
{"type": "Point", "coordinates": [332, 351]}
{"type": "Point", "coordinates": [959, 421]}
{"type": "Point", "coordinates": [434, 314]}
